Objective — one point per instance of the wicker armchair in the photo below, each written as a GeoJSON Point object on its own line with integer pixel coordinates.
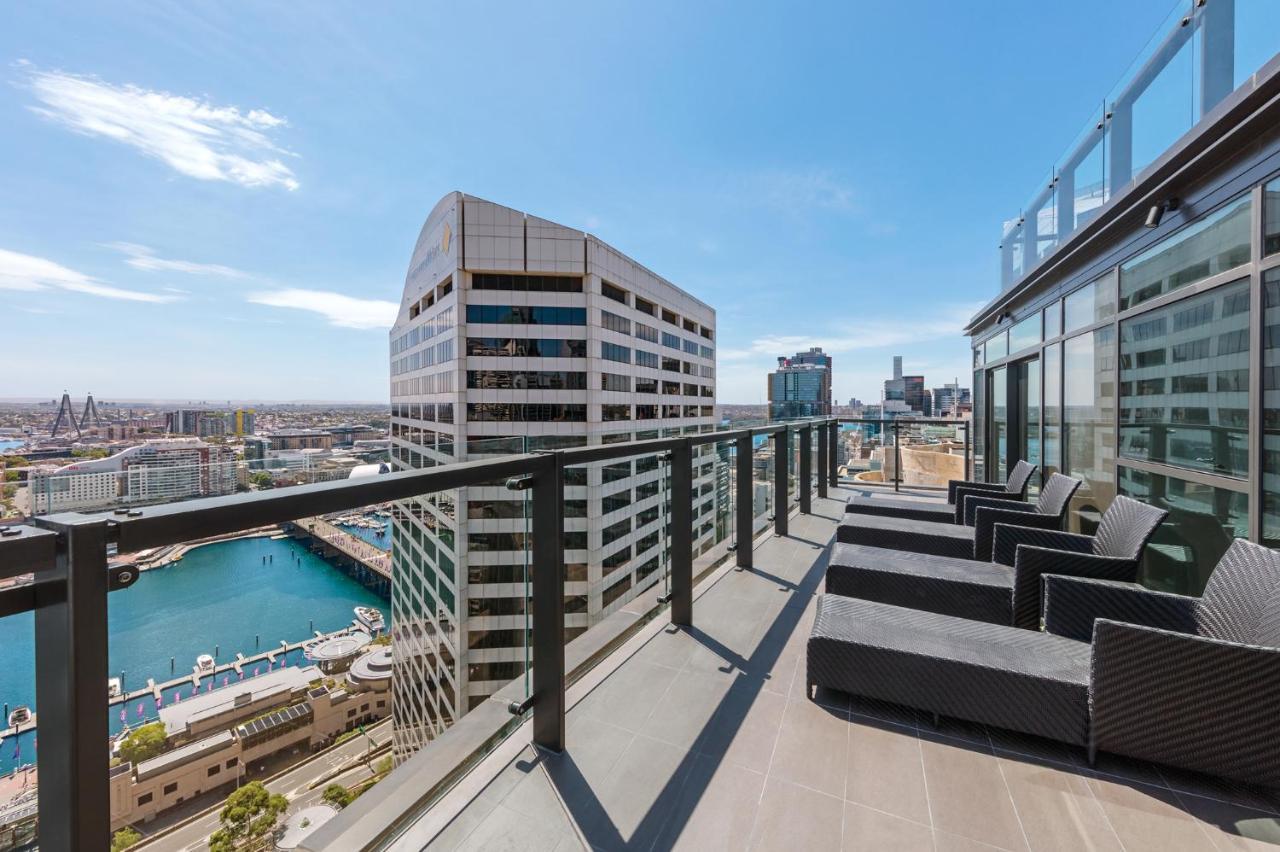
{"type": "Point", "coordinates": [1014, 488]}
{"type": "Point", "coordinates": [1189, 682]}
{"type": "Point", "coordinates": [1006, 589]}
{"type": "Point", "coordinates": [1186, 681]}
{"type": "Point", "coordinates": [962, 541]}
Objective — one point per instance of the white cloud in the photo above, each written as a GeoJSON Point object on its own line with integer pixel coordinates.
{"type": "Point", "coordinates": [797, 192]}
{"type": "Point", "coordinates": [192, 136]}
{"type": "Point", "coordinates": [141, 257]}
{"type": "Point", "coordinates": [340, 310]}
{"type": "Point", "coordinates": [30, 273]}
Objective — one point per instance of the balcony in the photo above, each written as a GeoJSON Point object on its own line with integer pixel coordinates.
{"type": "Point", "coordinates": [679, 719]}
{"type": "Point", "coordinates": [702, 737]}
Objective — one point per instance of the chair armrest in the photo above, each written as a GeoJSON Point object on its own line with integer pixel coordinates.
{"type": "Point", "coordinates": [1187, 701]}
{"type": "Point", "coordinates": [953, 484]}
{"type": "Point", "coordinates": [967, 503]}
{"type": "Point", "coordinates": [986, 518]}
{"type": "Point", "coordinates": [1007, 538]}
{"type": "Point", "coordinates": [1032, 563]}
{"type": "Point", "coordinates": [1072, 604]}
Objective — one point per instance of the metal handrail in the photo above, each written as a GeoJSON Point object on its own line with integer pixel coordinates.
{"type": "Point", "coordinates": [67, 553]}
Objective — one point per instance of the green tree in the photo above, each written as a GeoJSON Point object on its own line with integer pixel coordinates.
{"type": "Point", "coordinates": [249, 814]}
{"type": "Point", "coordinates": [337, 795]}
{"type": "Point", "coordinates": [124, 838]}
{"type": "Point", "coordinates": [144, 743]}
{"type": "Point", "coordinates": [91, 453]}
{"type": "Point", "coordinates": [261, 479]}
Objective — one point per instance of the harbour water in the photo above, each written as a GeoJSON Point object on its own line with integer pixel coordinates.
{"type": "Point", "coordinates": [379, 537]}
{"type": "Point", "coordinates": [220, 595]}
{"type": "Point", "coordinates": [6, 445]}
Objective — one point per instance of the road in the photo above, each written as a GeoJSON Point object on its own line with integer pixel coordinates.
{"type": "Point", "coordinates": [295, 784]}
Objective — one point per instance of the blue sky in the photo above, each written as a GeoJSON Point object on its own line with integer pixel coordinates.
{"type": "Point", "coordinates": [213, 201]}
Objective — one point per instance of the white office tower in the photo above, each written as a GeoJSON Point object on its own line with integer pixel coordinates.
{"type": "Point", "coordinates": [517, 334]}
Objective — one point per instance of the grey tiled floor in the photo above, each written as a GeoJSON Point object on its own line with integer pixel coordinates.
{"type": "Point", "coordinates": [704, 739]}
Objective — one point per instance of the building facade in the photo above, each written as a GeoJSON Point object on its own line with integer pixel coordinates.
{"type": "Point", "coordinates": [155, 471]}
{"type": "Point", "coordinates": [951, 400]}
{"type": "Point", "coordinates": [908, 391]}
{"type": "Point", "coordinates": [517, 333]}
{"type": "Point", "coordinates": [1131, 343]}
{"type": "Point", "coordinates": [801, 386]}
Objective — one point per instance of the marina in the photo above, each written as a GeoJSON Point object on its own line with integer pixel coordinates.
{"type": "Point", "coordinates": [219, 600]}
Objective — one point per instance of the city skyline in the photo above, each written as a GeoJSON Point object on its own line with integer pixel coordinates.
{"type": "Point", "coordinates": [262, 254]}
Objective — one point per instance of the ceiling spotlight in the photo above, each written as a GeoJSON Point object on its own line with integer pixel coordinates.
{"type": "Point", "coordinates": [1157, 211]}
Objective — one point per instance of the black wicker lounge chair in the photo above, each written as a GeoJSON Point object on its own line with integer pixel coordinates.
{"type": "Point", "coordinates": [1014, 488]}
{"type": "Point", "coordinates": [970, 540]}
{"type": "Point", "coordinates": [1189, 682]}
{"type": "Point", "coordinates": [1006, 589]}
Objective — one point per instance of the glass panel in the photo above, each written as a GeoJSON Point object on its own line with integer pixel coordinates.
{"type": "Point", "coordinates": [1089, 417]}
{"type": "Point", "coordinates": [1028, 383]}
{"type": "Point", "coordinates": [1091, 303]}
{"type": "Point", "coordinates": [1165, 109]}
{"type": "Point", "coordinates": [1271, 408]}
{"type": "Point", "coordinates": [998, 346]}
{"type": "Point", "coordinates": [999, 394]}
{"type": "Point", "coordinates": [762, 481]}
{"type": "Point", "coordinates": [978, 356]}
{"type": "Point", "coordinates": [1271, 215]}
{"type": "Point", "coordinates": [1256, 25]}
{"type": "Point", "coordinates": [981, 419]}
{"type": "Point", "coordinates": [1045, 220]}
{"type": "Point", "coordinates": [1084, 178]}
{"type": "Point", "coordinates": [1052, 409]}
{"type": "Point", "coordinates": [1025, 334]}
{"type": "Point", "coordinates": [1053, 321]}
{"type": "Point", "coordinates": [1203, 521]}
{"type": "Point", "coordinates": [1184, 383]}
{"type": "Point", "coordinates": [1213, 244]}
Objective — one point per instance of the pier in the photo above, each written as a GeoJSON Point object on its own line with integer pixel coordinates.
{"type": "Point", "coordinates": [237, 666]}
{"type": "Point", "coordinates": [362, 561]}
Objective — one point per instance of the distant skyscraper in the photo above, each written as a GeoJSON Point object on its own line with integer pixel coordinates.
{"type": "Point", "coordinates": [951, 399]}
{"type": "Point", "coordinates": [801, 386]}
{"type": "Point", "coordinates": [517, 332]}
{"type": "Point", "coordinates": [908, 390]}
{"type": "Point", "coordinates": [243, 421]}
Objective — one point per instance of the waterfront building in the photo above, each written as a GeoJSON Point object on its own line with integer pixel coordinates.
{"type": "Point", "coordinates": [1130, 343]}
{"type": "Point", "coordinates": [155, 471]}
{"type": "Point", "coordinates": [801, 386]}
{"type": "Point", "coordinates": [213, 739]}
{"type": "Point", "coordinates": [515, 332]}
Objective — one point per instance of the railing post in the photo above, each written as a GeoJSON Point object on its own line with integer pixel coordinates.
{"type": "Point", "coordinates": [967, 447]}
{"type": "Point", "coordinates": [897, 457]}
{"type": "Point", "coordinates": [805, 486]}
{"type": "Point", "coordinates": [682, 534]}
{"type": "Point", "coordinates": [781, 461]}
{"type": "Point", "coordinates": [548, 604]}
{"type": "Point", "coordinates": [822, 459]}
{"type": "Point", "coordinates": [71, 668]}
{"type": "Point", "coordinates": [834, 470]}
{"type": "Point", "coordinates": [744, 454]}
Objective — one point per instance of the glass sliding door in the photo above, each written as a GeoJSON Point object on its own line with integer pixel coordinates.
{"type": "Point", "coordinates": [998, 418]}
{"type": "Point", "coordinates": [1026, 427]}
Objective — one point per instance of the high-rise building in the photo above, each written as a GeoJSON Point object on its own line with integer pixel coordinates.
{"type": "Point", "coordinates": [156, 471]}
{"type": "Point", "coordinates": [242, 421]}
{"type": "Point", "coordinates": [909, 390]}
{"type": "Point", "coordinates": [951, 400]}
{"type": "Point", "coordinates": [801, 386]}
{"type": "Point", "coordinates": [517, 333]}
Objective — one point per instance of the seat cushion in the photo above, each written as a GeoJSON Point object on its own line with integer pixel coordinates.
{"type": "Point", "coordinates": [965, 588]}
{"type": "Point", "coordinates": [906, 534]}
{"type": "Point", "coordinates": [1016, 679]}
{"type": "Point", "coordinates": [920, 510]}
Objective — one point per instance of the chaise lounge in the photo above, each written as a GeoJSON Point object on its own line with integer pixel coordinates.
{"type": "Point", "coordinates": [1013, 489]}
{"type": "Point", "coordinates": [970, 540]}
{"type": "Point", "coordinates": [1189, 682]}
{"type": "Point", "coordinates": [1006, 589]}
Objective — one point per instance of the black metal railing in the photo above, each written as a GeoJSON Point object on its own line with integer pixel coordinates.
{"type": "Point", "coordinates": [895, 428]}
{"type": "Point", "coordinates": [67, 556]}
